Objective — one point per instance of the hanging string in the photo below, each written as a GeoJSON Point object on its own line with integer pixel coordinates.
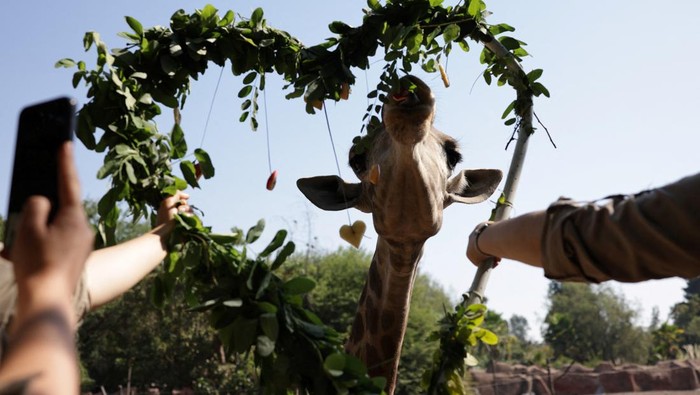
{"type": "Point", "coordinates": [211, 107]}
{"type": "Point", "coordinates": [267, 133]}
{"type": "Point", "coordinates": [335, 155]}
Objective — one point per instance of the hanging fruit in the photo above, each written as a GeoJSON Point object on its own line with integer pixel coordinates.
{"type": "Point", "coordinates": [271, 181]}
{"type": "Point", "coordinates": [353, 234]}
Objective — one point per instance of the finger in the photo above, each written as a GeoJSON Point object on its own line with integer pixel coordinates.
{"type": "Point", "coordinates": [68, 183]}
{"type": "Point", "coordinates": [182, 195]}
{"type": "Point", "coordinates": [34, 215]}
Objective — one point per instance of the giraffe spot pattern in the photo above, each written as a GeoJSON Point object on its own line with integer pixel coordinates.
{"type": "Point", "coordinates": [375, 282]}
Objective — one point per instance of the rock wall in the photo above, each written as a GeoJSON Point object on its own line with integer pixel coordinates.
{"type": "Point", "coordinates": [505, 379]}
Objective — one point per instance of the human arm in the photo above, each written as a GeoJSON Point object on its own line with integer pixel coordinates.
{"type": "Point", "coordinates": [114, 270]}
{"type": "Point", "coordinates": [48, 262]}
{"type": "Point", "coordinates": [516, 238]}
{"type": "Point", "coordinates": [630, 238]}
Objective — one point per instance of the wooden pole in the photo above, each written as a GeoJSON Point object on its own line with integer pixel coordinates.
{"type": "Point", "coordinates": [524, 111]}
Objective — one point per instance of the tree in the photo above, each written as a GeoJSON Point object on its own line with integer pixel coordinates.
{"type": "Point", "coordinates": [666, 340]}
{"type": "Point", "coordinates": [519, 327]}
{"type": "Point", "coordinates": [157, 66]}
{"type": "Point", "coordinates": [340, 276]}
{"type": "Point", "coordinates": [587, 324]}
{"type": "Point", "coordinates": [686, 314]}
{"type": "Point", "coordinates": [130, 341]}
{"type": "Point", "coordinates": [692, 288]}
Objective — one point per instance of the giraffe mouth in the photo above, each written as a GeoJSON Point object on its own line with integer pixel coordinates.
{"type": "Point", "coordinates": [405, 98]}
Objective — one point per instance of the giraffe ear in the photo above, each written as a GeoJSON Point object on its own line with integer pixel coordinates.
{"type": "Point", "coordinates": [330, 192]}
{"type": "Point", "coordinates": [473, 186]}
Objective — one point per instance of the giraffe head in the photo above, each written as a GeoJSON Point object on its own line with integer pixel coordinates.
{"type": "Point", "coordinates": [405, 175]}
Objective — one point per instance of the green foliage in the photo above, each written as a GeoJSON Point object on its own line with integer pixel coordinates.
{"type": "Point", "coordinates": [168, 347]}
{"type": "Point", "coordinates": [340, 277]}
{"type": "Point", "coordinates": [666, 341]}
{"type": "Point", "coordinates": [686, 314]}
{"type": "Point", "coordinates": [241, 294]}
{"type": "Point", "coordinates": [692, 288]}
{"type": "Point", "coordinates": [2, 227]}
{"type": "Point", "coordinates": [458, 331]}
{"type": "Point", "coordinates": [256, 311]}
{"type": "Point", "coordinates": [588, 324]}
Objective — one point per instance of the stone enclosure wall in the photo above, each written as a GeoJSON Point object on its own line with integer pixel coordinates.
{"type": "Point", "coordinates": [505, 379]}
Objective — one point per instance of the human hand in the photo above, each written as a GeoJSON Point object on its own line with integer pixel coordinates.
{"type": "Point", "coordinates": [53, 252]}
{"type": "Point", "coordinates": [474, 252]}
{"type": "Point", "coordinates": [170, 206]}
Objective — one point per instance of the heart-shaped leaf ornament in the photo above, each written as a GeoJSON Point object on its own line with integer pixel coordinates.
{"type": "Point", "coordinates": [353, 234]}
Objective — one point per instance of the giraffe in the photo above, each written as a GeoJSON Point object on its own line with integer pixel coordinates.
{"type": "Point", "coordinates": [405, 184]}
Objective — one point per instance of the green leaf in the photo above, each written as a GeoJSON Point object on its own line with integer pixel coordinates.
{"type": "Point", "coordinates": [475, 7]}
{"type": "Point", "coordinates": [275, 243]}
{"type": "Point", "coordinates": [299, 285]}
{"type": "Point", "coordinates": [509, 121]}
{"type": "Point", "coordinates": [208, 12]}
{"type": "Point", "coordinates": [233, 303]}
{"type": "Point", "coordinates": [335, 364]}
{"type": "Point", "coordinates": [470, 360]}
{"type": "Point", "coordinates": [130, 172]}
{"type": "Point", "coordinates": [414, 42]}
{"type": "Point", "coordinates": [534, 75]}
{"type": "Point", "coordinates": [287, 250]}
{"type": "Point", "coordinates": [204, 163]}
{"type": "Point", "coordinates": [107, 169]}
{"type": "Point", "coordinates": [135, 25]}
{"type": "Point", "coordinates": [451, 33]}
{"type": "Point", "coordinates": [500, 28]}
{"type": "Point", "coordinates": [264, 346]}
{"type": "Point", "coordinates": [65, 62]}
{"type": "Point", "coordinates": [249, 78]}
{"type": "Point", "coordinates": [255, 232]}
{"type": "Point", "coordinates": [538, 88]}
{"type": "Point", "coordinates": [508, 109]}
{"type": "Point", "coordinates": [244, 334]}
{"type": "Point", "coordinates": [374, 4]}
{"type": "Point", "coordinates": [227, 19]}
{"type": "Point", "coordinates": [269, 325]}
{"type": "Point", "coordinates": [177, 142]}
{"type": "Point", "coordinates": [224, 239]}
{"type": "Point", "coordinates": [256, 17]}
{"type": "Point", "coordinates": [338, 27]}
{"type": "Point", "coordinates": [189, 172]}
{"type": "Point", "coordinates": [108, 202]}
{"type": "Point", "coordinates": [509, 42]}
{"type": "Point", "coordinates": [245, 91]}
{"type": "Point", "coordinates": [435, 3]}
{"type": "Point", "coordinates": [488, 337]}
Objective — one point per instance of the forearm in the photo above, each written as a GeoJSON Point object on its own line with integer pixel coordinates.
{"type": "Point", "coordinates": [517, 238]}
{"type": "Point", "coordinates": [41, 345]}
{"type": "Point", "coordinates": [114, 270]}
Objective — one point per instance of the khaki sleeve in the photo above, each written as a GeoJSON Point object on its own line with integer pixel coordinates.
{"type": "Point", "coordinates": [650, 235]}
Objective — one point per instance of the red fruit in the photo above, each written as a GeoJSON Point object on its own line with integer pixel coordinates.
{"type": "Point", "coordinates": [271, 181]}
{"type": "Point", "coordinates": [344, 91]}
{"type": "Point", "coordinates": [197, 171]}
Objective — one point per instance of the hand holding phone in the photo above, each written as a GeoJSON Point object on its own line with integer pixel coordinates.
{"type": "Point", "coordinates": [43, 128]}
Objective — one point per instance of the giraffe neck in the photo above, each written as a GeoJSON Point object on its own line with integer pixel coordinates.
{"type": "Point", "coordinates": [380, 323]}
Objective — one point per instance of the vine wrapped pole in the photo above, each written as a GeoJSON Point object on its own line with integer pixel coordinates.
{"type": "Point", "coordinates": [524, 110]}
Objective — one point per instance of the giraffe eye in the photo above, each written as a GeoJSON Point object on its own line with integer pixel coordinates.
{"type": "Point", "coordinates": [358, 163]}
{"type": "Point", "coordinates": [452, 154]}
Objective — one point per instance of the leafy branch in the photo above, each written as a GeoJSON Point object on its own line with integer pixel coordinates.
{"type": "Point", "coordinates": [243, 295]}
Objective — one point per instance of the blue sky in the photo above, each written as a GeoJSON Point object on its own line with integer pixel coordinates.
{"type": "Point", "coordinates": [622, 113]}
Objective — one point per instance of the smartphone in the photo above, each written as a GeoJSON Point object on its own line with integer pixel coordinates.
{"type": "Point", "coordinates": [42, 129]}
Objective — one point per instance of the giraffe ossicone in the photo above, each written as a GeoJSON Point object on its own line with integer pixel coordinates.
{"type": "Point", "coordinates": [406, 203]}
